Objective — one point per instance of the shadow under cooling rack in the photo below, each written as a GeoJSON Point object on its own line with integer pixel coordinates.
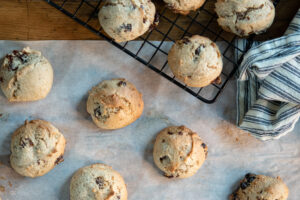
{"type": "Point", "coordinates": [152, 48]}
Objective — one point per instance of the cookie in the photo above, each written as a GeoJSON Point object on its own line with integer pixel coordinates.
{"type": "Point", "coordinates": [184, 6]}
{"type": "Point", "coordinates": [125, 20]}
{"type": "Point", "coordinates": [179, 152]}
{"type": "Point", "coordinates": [36, 148]}
{"type": "Point", "coordinates": [97, 182]}
{"type": "Point", "coordinates": [260, 187]}
{"type": "Point", "coordinates": [26, 76]}
{"type": "Point", "coordinates": [114, 104]}
{"type": "Point", "coordinates": [245, 17]}
{"type": "Point", "coordinates": [196, 61]}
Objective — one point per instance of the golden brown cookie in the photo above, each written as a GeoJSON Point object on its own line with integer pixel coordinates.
{"type": "Point", "coordinates": [196, 61]}
{"type": "Point", "coordinates": [125, 20]}
{"type": "Point", "coordinates": [184, 6]}
{"type": "Point", "coordinates": [179, 152]}
{"type": "Point", "coordinates": [36, 148]}
{"type": "Point", "coordinates": [245, 17]}
{"type": "Point", "coordinates": [97, 182]}
{"type": "Point", "coordinates": [260, 187]}
{"type": "Point", "coordinates": [26, 76]}
{"type": "Point", "coordinates": [114, 104]}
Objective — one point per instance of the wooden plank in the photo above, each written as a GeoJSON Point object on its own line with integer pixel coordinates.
{"type": "Point", "coordinates": [36, 20]}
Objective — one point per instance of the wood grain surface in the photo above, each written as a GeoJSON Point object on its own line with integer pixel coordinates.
{"type": "Point", "coordinates": [37, 20]}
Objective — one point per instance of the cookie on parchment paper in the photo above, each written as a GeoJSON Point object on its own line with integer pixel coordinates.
{"type": "Point", "coordinates": [260, 187]}
{"type": "Point", "coordinates": [36, 148]}
{"type": "Point", "coordinates": [114, 104]}
{"type": "Point", "coordinates": [97, 182]}
{"type": "Point", "coordinates": [26, 76]}
{"type": "Point", "coordinates": [179, 152]}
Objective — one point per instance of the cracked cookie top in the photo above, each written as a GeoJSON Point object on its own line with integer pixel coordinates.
{"type": "Point", "coordinates": [97, 182]}
{"type": "Point", "coordinates": [25, 75]}
{"type": "Point", "coordinates": [179, 152]}
{"type": "Point", "coordinates": [245, 17]}
{"type": "Point", "coordinates": [196, 61]}
{"type": "Point", "coordinates": [36, 147]}
{"type": "Point", "coordinates": [260, 187]}
{"type": "Point", "coordinates": [125, 20]}
{"type": "Point", "coordinates": [114, 104]}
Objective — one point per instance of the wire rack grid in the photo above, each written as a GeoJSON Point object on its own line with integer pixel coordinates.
{"type": "Point", "coordinates": [152, 48]}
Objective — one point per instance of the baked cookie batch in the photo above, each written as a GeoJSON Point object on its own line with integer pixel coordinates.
{"type": "Point", "coordinates": [37, 146]}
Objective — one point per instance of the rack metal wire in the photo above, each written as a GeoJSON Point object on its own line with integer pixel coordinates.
{"type": "Point", "coordinates": [152, 48]}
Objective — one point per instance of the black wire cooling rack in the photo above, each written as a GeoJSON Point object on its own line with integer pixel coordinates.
{"type": "Point", "coordinates": [152, 48]}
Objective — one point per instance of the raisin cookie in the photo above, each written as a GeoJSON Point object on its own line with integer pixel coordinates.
{"type": "Point", "coordinates": [179, 152]}
{"type": "Point", "coordinates": [26, 76]}
{"type": "Point", "coordinates": [245, 17]}
{"type": "Point", "coordinates": [184, 6]}
{"type": "Point", "coordinates": [260, 187]}
{"type": "Point", "coordinates": [196, 61]}
{"type": "Point", "coordinates": [97, 182]}
{"type": "Point", "coordinates": [125, 20]}
{"type": "Point", "coordinates": [36, 148]}
{"type": "Point", "coordinates": [114, 104]}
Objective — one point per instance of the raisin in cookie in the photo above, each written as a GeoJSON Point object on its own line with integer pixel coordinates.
{"type": "Point", "coordinates": [125, 20]}
{"type": "Point", "coordinates": [26, 76]}
{"type": "Point", "coordinates": [36, 148]}
{"type": "Point", "coordinates": [179, 152]}
{"type": "Point", "coordinates": [196, 61]}
{"type": "Point", "coordinates": [114, 104]}
{"type": "Point", "coordinates": [260, 187]}
{"type": "Point", "coordinates": [97, 182]}
{"type": "Point", "coordinates": [184, 6]}
{"type": "Point", "coordinates": [245, 17]}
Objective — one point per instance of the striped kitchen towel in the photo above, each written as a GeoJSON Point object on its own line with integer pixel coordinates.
{"type": "Point", "coordinates": [268, 84]}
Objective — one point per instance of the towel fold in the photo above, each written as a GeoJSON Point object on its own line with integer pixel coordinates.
{"type": "Point", "coordinates": [268, 84]}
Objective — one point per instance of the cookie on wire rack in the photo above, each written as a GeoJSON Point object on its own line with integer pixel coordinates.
{"type": "Point", "coordinates": [245, 17]}
{"type": "Point", "coordinates": [184, 6]}
{"type": "Point", "coordinates": [196, 61]}
{"type": "Point", "coordinates": [125, 20]}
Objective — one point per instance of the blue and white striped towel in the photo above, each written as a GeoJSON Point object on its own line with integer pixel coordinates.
{"type": "Point", "coordinates": [268, 85]}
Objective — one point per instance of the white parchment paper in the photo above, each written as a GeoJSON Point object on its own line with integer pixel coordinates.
{"type": "Point", "coordinates": [78, 66]}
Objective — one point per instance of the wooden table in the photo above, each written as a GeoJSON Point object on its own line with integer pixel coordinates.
{"type": "Point", "coordinates": [37, 20]}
